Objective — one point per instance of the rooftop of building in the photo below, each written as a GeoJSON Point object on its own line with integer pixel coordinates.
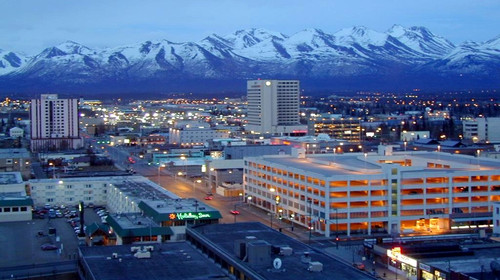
{"type": "Point", "coordinates": [322, 137]}
{"type": "Point", "coordinates": [14, 153]}
{"type": "Point", "coordinates": [142, 189]}
{"type": "Point", "coordinates": [10, 178]}
{"type": "Point", "coordinates": [135, 224]}
{"type": "Point", "coordinates": [372, 163]}
{"type": "Point", "coordinates": [294, 256]}
{"type": "Point", "coordinates": [460, 254]}
{"type": "Point", "coordinates": [178, 209]}
{"type": "Point", "coordinates": [177, 260]}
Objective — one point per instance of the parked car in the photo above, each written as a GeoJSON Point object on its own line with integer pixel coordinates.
{"type": "Point", "coordinates": [359, 265]}
{"type": "Point", "coordinates": [209, 197]}
{"type": "Point", "coordinates": [235, 212]}
{"type": "Point", "coordinates": [48, 247]}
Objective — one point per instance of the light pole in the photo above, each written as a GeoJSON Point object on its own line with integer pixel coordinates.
{"type": "Point", "coordinates": [184, 159]}
{"type": "Point", "coordinates": [337, 227]}
{"type": "Point", "coordinates": [271, 211]}
{"type": "Point", "coordinates": [310, 221]}
{"type": "Point", "coordinates": [194, 183]}
{"type": "Point", "coordinates": [159, 166]}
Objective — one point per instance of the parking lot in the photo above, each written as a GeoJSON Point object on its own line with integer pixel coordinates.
{"type": "Point", "coordinates": [21, 241]}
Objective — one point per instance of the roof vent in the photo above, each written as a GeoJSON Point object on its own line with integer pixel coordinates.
{"type": "Point", "coordinates": [305, 258]}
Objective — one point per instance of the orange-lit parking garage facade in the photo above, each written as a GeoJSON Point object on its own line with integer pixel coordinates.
{"type": "Point", "coordinates": [423, 192]}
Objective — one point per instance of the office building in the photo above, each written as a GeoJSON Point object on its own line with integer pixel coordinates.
{"type": "Point", "coordinates": [195, 134]}
{"type": "Point", "coordinates": [273, 107]}
{"type": "Point", "coordinates": [347, 129]}
{"type": "Point", "coordinates": [54, 124]}
{"type": "Point", "coordinates": [482, 130]}
{"type": "Point", "coordinates": [384, 192]}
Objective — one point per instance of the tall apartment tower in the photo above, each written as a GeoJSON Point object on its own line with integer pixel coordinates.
{"type": "Point", "coordinates": [54, 124]}
{"type": "Point", "coordinates": [273, 107]}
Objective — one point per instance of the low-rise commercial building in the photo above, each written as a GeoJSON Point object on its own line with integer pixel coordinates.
{"type": "Point", "coordinates": [15, 205]}
{"type": "Point", "coordinates": [140, 210]}
{"type": "Point", "coordinates": [16, 160]}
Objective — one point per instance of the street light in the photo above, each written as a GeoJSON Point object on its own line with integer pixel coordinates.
{"type": "Point", "coordinates": [337, 227]}
{"type": "Point", "coordinates": [310, 220]}
{"type": "Point", "coordinates": [183, 158]}
{"type": "Point", "coordinates": [159, 166]}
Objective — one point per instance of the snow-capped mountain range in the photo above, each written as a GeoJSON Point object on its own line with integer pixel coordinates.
{"type": "Point", "coordinates": [356, 58]}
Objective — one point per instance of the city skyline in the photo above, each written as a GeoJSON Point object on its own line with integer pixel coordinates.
{"type": "Point", "coordinates": [31, 26]}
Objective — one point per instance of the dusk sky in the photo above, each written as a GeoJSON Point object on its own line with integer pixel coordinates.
{"type": "Point", "coordinates": [30, 26]}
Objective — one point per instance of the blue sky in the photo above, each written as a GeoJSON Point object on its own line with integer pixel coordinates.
{"type": "Point", "coordinates": [30, 26]}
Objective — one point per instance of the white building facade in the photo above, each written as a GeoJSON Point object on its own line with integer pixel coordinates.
{"type": "Point", "coordinates": [54, 123]}
{"type": "Point", "coordinates": [195, 136]}
{"type": "Point", "coordinates": [496, 218]}
{"type": "Point", "coordinates": [482, 129]}
{"type": "Point", "coordinates": [348, 194]}
{"type": "Point", "coordinates": [70, 191]}
{"type": "Point", "coordinates": [274, 107]}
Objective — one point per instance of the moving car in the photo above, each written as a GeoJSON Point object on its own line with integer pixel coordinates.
{"type": "Point", "coordinates": [209, 197]}
{"type": "Point", "coordinates": [235, 212]}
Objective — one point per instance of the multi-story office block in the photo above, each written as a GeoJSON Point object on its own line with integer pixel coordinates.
{"type": "Point", "coordinates": [396, 192]}
{"type": "Point", "coordinates": [273, 107]}
{"type": "Point", "coordinates": [195, 136]}
{"type": "Point", "coordinates": [54, 124]}
{"type": "Point", "coordinates": [482, 129]}
{"type": "Point", "coordinates": [347, 129]}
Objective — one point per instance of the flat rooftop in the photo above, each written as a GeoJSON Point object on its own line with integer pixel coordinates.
{"type": "Point", "coordinates": [223, 236]}
{"type": "Point", "coordinates": [10, 178]}
{"type": "Point", "coordinates": [173, 261]}
{"type": "Point", "coordinates": [372, 163]}
{"type": "Point", "coordinates": [14, 153]}
{"type": "Point", "coordinates": [142, 189]}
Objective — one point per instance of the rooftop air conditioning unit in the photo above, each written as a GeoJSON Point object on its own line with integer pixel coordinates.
{"type": "Point", "coordinates": [315, 267]}
{"type": "Point", "coordinates": [134, 249]}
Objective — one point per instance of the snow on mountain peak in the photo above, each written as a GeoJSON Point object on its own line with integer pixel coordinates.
{"type": "Point", "coordinates": [360, 35]}
{"type": "Point", "coordinates": [250, 37]}
{"type": "Point", "coordinates": [493, 43]}
{"type": "Point", "coordinates": [71, 47]}
{"type": "Point", "coordinates": [396, 30]}
{"type": "Point", "coordinates": [308, 40]}
{"type": "Point", "coordinates": [420, 39]}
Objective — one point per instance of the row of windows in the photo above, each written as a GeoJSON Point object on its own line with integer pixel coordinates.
{"type": "Point", "coordinates": [51, 187]}
{"type": "Point", "coordinates": [14, 209]}
{"type": "Point", "coordinates": [70, 199]}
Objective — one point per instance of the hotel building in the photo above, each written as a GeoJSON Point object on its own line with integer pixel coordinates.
{"type": "Point", "coordinates": [140, 210]}
{"type": "Point", "coordinates": [384, 192]}
{"type": "Point", "coordinates": [273, 107]}
{"type": "Point", "coordinates": [54, 124]}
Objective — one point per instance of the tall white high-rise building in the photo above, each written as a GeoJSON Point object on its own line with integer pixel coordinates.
{"type": "Point", "coordinates": [54, 124]}
{"type": "Point", "coordinates": [273, 107]}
